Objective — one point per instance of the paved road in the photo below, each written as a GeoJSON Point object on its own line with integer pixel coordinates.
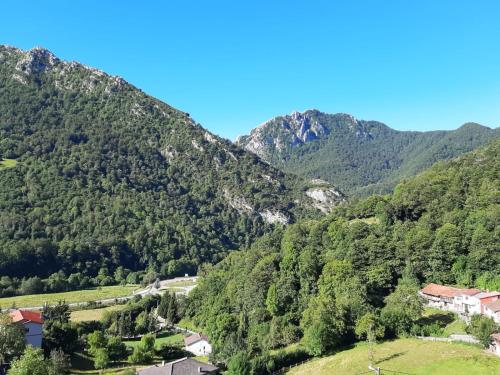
{"type": "Point", "coordinates": [149, 290]}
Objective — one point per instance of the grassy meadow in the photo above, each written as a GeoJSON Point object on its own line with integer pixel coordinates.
{"type": "Point", "coordinates": [93, 314]}
{"type": "Point", "coordinates": [86, 295]}
{"type": "Point", "coordinates": [410, 356]}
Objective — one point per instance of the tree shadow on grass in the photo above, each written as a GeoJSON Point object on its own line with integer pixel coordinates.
{"type": "Point", "coordinates": [389, 357]}
{"type": "Point", "coordinates": [441, 319]}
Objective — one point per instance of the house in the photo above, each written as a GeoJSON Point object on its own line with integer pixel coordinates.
{"type": "Point", "coordinates": [495, 343]}
{"type": "Point", "coordinates": [463, 301]}
{"type": "Point", "coordinates": [492, 310]}
{"type": "Point", "coordinates": [479, 300]}
{"type": "Point", "coordinates": [440, 296]}
{"type": "Point", "coordinates": [32, 322]}
{"type": "Point", "coordinates": [183, 366]}
{"type": "Point", "coordinates": [197, 344]}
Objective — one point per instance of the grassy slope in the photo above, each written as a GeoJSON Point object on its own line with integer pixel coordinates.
{"type": "Point", "coordinates": [407, 355]}
{"type": "Point", "coordinates": [93, 314]}
{"type": "Point", "coordinates": [7, 163]}
{"type": "Point", "coordinates": [70, 297]}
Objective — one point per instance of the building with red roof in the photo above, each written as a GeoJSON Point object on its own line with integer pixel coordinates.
{"type": "Point", "coordinates": [440, 296]}
{"type": "Point", "coordinates": [32, 321]}
{"type": "Point", "coordinates": [492, 310]}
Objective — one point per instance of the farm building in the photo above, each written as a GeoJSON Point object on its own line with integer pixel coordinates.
{"type": "Point", "coordinates": [198, 344]}
{"type": "Point", "coordinates": [183, 366]}
{"type": "Point", "coordinates": [32, 322]}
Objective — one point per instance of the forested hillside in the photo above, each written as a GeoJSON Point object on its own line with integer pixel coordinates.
{"type": "Point", "coordinates": [360, 157]}
{"type": "Point", "coordinates": [99, 179]}
{"type": "Point", "coordinates": [327, 281]}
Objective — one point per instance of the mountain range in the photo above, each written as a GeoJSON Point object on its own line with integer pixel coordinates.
{"type": "Point", "coordinates": [106, 176]}
{"type": "Point", "coordinates": [360, 157]}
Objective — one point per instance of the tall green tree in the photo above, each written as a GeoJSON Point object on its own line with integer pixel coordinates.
{"type": "Point", "coordinates": [31, 362]}
{"type": "Point", "coordinates": [403, 306]}
{"type": "Point", "coordinates": [12, 341]}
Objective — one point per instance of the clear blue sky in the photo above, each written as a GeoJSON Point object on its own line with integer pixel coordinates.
{"type": "Point", "coordinates": [426, 64]}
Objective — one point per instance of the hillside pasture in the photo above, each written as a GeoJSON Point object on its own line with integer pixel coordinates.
{"type": "Point", "coordinates": [410, 356]}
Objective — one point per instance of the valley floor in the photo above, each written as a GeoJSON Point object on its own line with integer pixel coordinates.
{"type": "Point", "coordinates": [408, 356]}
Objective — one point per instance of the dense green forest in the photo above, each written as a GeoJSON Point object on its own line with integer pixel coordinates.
{"type": "Point", "coordinates": [360, 157]}
{"type": "Point", "coordinates": [328, 281]}
{"type": "Point", "coordinates": [100, 179]}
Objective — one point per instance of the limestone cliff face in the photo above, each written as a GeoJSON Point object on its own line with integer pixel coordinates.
{"type": "Point", "coordinates": [279, 134]}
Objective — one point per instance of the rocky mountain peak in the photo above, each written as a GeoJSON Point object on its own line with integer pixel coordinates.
{"type": "Point", "coordinates": [36, 61]}
{"type": "Point", "coordinates": [299, 128]}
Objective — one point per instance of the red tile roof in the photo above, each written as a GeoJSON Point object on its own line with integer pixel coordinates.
{"type": "Point", "coordinates": [487, 295]}
{"type": "Point", "coordinates": [25, 316]}
{"type": "Point", "coordinates": [440, 290]}
{"type": "Point", "coordinates": [493, 306]}
{"type": "Point", "coordinates": [447, 291]}
{"type": "Point", "coordinates": [470, 292]}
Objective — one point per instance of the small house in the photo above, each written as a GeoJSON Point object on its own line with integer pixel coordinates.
{"type": "Point", "coordinates": [481, 299]}
{"type": "Point", "coordinates": [198, 344]}
{"type": "Point", "coordinates": [32, 321]}
{"type": "Point", "coordinates": [463, 302]}
{"type": "Point", "coordinates": [183, 366]}
{"type": "Point", "coordinates": [492, 310]}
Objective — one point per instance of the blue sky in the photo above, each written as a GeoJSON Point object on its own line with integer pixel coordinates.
{"type": "Point", "coordinates": [417, 65]}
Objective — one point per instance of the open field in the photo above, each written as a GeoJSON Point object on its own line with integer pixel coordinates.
{"type": "Point", "coordinates": [93, 314]}
{"type": "Point", "coordinates": [175, 339]}
{"type": "Point", "coordinates": [34, 300]}
{"type": "Point", "coordinates": [411, 356]}
{"type": "Point", "coordinates": [7, 163]}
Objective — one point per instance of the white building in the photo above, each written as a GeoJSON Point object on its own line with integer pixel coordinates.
{"type": "Point", "coordinates": [32, 321]}
{"type": "Point", "coordinates": [492, 310]}
{"type": "Point", "coordinates": [479, 300]}
{"type": "Point", "coordinates": [463, 301]}
{"type": "Point", "coordinates": [198, 344]}
{"type": "Point", "coordinates": [440, 296]}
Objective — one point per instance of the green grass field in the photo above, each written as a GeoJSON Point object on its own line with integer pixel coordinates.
{"type": "Point", "coordinates": [176, 339]}
{"type": "Point", "coordinates": [93, 314]}
{"type": "Point", "coordinates": [7, 163]}
{"type": "Point", "coordinates": [86, 295]}
{"type": "Point", "coordinates": [411, 356]}
{"type": "Point", "coordinates": [187, 324]}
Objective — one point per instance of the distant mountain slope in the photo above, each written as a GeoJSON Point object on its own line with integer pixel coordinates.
{"type": "Point", "coordinates": [108, 176]}
{"type": "Point", "coordinates": [360, 157]}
